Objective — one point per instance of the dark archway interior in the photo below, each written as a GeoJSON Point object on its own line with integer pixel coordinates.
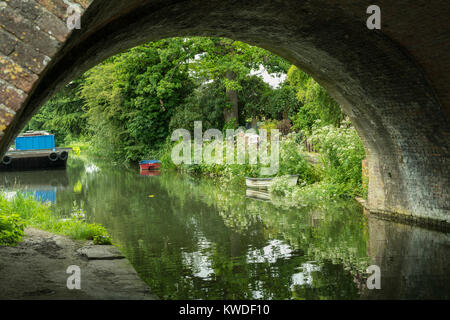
{"type": "Point", "coordinates": [385, 80]}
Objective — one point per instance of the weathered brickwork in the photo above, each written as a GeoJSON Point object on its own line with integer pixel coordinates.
{"type": "Point", "coordinates": [31, 33]}
{"type": "Point", "coordinates": [15, 74]}
{"type": "Point", "coordinates": [10, 96]}
{"type": "Point", "coordinates": [394, 84]}
{"type": "Point", "coordinates": [6, 116]}
{"type": "Point", "coordinates": [26, 31]}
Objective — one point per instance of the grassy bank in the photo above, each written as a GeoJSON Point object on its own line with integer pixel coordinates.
{"type": "Point", "coordinates": [21, 211]}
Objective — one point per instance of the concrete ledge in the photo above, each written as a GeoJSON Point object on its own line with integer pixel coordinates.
{"type": "Point", "coordinates": [428, 223]}
{"type": "Point", "coordinates": [37, 267]}
{"type": "Point", "coordinates": [98, 252]}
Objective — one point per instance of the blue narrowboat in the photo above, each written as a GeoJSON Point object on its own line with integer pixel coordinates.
{"type": "Point", "coordinates": [34, 150]}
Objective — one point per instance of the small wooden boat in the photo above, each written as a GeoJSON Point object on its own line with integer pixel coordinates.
{"type": "Point", "coordinates": [150, 164]}
{"type": "Point", "coordinates": [264, 183]}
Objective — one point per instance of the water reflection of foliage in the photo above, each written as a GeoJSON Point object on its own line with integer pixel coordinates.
{"type": "Point", "coordinates": [182, 216]}
{"type": "Point", "coordinates": [339, 236]}
{"type": "Point", "coordinates": [229, 200]}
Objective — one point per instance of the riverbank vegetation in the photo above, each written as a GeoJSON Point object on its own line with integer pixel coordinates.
{"type": "Point", "coordinates": [20, 211]}
{"type": "Point", "coordinates": [126, 108]}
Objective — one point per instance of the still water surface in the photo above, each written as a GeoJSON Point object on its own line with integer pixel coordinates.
{"type": "Point", "coordinates": [191, 239]}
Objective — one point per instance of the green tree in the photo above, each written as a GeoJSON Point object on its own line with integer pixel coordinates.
{"type": "Point", "coordinates": [205, 104]}
{"type": "Point", "coordinates": [231, 62]}
{"type": "Point", "coordinates": [252, 99]}
{"type": "Point", "coordinates": [131, 97]}
{"type": "Point", "coordinates": [281, 103]}
{"type": "Point", "coordinates": [63, 115]}
{"type": "Point", "coordinates": [317, 103]}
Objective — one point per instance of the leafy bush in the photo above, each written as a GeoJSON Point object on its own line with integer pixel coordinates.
{"type": "Point", "coordinates": [102, 239]}
{"type": "Point", "coordinates": [294, 160]}
{"type": "Point", "coordinates": [280, 186]}
{"type": "Point", "coordinates": [11, 228]}
{"type": "Point", "coordinates": [337, 175]}
{"type": "Point", "coordinates": [342, 152]}
{"type": "Point", "coordinates": [269, 125]}
{"type": "Point", "coordinates": [231, 124]}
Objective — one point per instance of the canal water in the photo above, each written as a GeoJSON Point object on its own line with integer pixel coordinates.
{"type": "Point", "coordinates": [192, 239]}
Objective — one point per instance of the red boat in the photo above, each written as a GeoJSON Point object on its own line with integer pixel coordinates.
{"type": "Point", "coordinates": [150, 164]}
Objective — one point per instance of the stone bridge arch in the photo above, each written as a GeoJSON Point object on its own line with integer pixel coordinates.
{"type": "Point", "coordinates": [393, 82]}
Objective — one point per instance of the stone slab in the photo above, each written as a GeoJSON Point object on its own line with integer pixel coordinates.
{"type": "Point", "coordinates": [101, 252]}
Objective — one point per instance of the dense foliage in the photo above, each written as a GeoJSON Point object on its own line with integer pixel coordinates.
{"type": "Point", "coordinates": [231, 63]}
{"type": "Point", "coordinates": [131, 98]}
{"type": "Point", "coordinates": [11, 227]}
{"type": "Point", "coordinates": [63, 115]}
{"type": "Point", "coordinates": [205, 104]}
{"type": "Point", "coordinates": [342, 153]}
{"type": "Point", "coordinates": [317, 103]}
{"type": "Point", "coordinates": [127, 107]}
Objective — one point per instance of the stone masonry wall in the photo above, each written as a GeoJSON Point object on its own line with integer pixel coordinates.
{"type": "Point", "coordinates": [31, 33]}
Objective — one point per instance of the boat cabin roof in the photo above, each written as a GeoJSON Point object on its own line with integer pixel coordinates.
{"type": "Point", "coordinates": [34, 133]}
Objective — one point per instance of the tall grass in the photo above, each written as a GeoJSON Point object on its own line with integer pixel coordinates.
{"type": "Point", "coordinates": [33, 213]}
